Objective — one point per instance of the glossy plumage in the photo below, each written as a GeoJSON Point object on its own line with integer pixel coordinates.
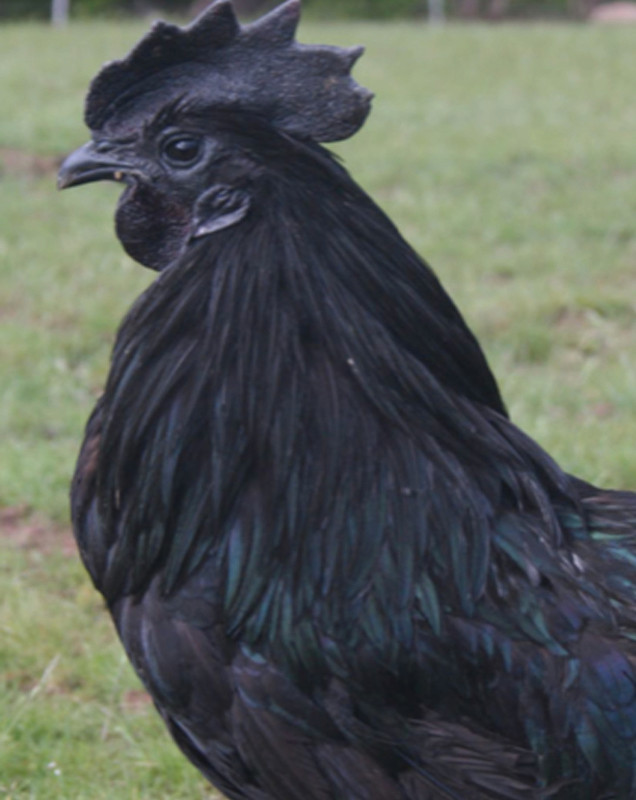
{"type": "Point", "coordinates": [338, 567]}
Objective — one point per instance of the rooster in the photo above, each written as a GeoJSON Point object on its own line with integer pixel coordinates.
{"type": "Point", "coordinates": [337, 566]}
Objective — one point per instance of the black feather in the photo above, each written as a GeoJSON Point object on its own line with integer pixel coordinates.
{"type": "Point", "coordinates": [337, 566]}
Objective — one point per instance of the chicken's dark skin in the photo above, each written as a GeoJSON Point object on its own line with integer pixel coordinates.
{"type": "Point", "coordinates": [337, 566]}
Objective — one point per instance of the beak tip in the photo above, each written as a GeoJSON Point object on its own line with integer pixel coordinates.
{"type": "Point", "coordinates": [84, 165]}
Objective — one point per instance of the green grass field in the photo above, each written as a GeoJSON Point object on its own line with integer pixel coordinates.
{"type": "Point", "coordinates": [507, 155]}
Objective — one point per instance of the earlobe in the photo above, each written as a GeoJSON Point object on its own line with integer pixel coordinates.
{"type": "Point", "coordinates": [220, 207]}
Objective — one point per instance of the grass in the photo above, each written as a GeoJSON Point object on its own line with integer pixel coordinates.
{"type": "Point", "coordinates": [505, 154]}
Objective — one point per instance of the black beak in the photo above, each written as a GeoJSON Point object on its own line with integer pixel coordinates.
{"type": "Point", "coordinates": [86, 165]}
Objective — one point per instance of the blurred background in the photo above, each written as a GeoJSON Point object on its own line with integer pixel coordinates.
{"type": "Point", "coordinates": [60, 10]}
{"type": "Point", "coordinates": [502, 143]}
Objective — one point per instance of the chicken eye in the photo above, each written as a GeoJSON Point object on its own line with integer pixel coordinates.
{"type": "Point", "coordinates": [182, 151]}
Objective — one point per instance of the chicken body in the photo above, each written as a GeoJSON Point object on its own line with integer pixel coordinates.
{"type": "Point", "coordinates": [339, 569]}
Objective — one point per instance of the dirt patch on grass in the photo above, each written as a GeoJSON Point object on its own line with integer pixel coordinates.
{"type": "Point", "coordinates": [135, 700]}
{"type": "Point", "coordinates": [21, 529]}
{"type": "Point", "coordinates": [14, 161]}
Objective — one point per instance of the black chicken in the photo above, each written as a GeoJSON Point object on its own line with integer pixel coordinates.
{"type": "Point", "coordinates": [339, 569]}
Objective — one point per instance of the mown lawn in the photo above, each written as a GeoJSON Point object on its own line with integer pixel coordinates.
{"type": "Point", "coordinates": [508, 157]}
